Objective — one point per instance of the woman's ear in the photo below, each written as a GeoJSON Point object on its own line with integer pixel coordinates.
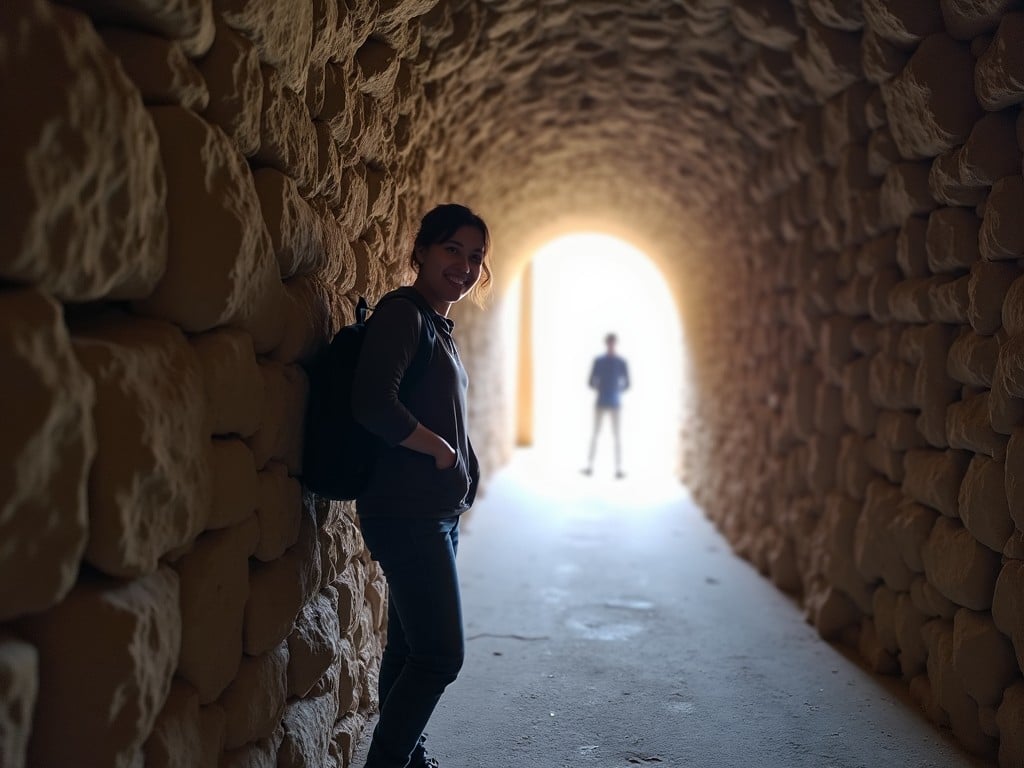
{"type": "Point", "coordinates": [417, 254]}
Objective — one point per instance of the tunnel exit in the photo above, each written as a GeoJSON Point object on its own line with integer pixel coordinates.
{"type": "Point", "coordinates": [581, 288]}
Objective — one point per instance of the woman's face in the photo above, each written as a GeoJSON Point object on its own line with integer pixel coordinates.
{"type": "Point", "coordinates": [449, 269]}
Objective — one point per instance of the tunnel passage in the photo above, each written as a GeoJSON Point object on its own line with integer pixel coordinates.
{"type": "Point", "coordinates": [194, 191]}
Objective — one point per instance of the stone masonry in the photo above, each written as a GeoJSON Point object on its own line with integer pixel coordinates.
{"type": "Point", "coordinates": [194, 192]}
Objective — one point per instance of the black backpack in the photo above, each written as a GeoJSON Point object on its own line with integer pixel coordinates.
{"type": "Point", "coordinates": [338, 451]}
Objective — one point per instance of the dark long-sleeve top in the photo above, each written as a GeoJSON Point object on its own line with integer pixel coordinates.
{"type": "Point", "coordinates": [610, 377]}
{"type": "Point", "coordinates": [389, 400]}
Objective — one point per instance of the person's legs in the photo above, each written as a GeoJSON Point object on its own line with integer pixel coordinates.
{"type": "Point", "coordinates": [618, 442]}
{"type": "Point", "coordinates": [598, 418]}
{"type": "Point", "coordinates": [418, 560]}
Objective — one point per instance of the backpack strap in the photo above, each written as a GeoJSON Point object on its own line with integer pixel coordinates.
{"type": "Point", "coordinates": [428, 337]}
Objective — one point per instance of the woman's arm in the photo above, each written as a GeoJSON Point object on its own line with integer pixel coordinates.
{"type": "Point", "coordinates": [432, 444]}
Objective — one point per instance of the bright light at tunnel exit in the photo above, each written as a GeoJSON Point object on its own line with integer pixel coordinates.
{"type": "Point", "coordinates": [585, 286]}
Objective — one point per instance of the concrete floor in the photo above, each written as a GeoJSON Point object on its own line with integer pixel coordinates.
{"type": "Point", "coordinates": [610, 625]}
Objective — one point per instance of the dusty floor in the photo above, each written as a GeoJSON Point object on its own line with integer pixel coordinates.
{"type": "Point", "coordinates": [609, 625]}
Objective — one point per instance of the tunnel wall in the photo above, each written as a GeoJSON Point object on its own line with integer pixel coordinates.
{"type": "Point", "coordinates": [865, 354]}
{"type": "Point", "coordinates": [193, 195]}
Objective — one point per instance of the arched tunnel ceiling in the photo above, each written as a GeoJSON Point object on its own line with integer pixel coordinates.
{"type": "Point", "coordinates": [645, 110]}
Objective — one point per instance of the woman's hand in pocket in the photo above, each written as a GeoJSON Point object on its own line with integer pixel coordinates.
{"type": "Point", "coordinates": [445, 459]}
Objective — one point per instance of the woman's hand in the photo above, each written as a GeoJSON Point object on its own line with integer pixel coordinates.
{"type": "Point", "coordinates": [432, 444]}
{"type": "Point", "coordinates": [445, 459]}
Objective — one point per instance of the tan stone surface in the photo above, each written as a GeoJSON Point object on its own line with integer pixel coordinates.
{"type": "Point", "coordinates": [295, 231]}
{"type": "Point", "coordinates": [946, 184]}
{"type": "Point", "coordinates": [983, 505]}
{"type": "Point", "coordinates": [187, 21]}
{"type": "Point", "coordinates": [1009, 718]}
{"type": "Point", "coordinates": [972, 358]}
{"type": "Point", "coordinates": [314, 643]}
{"type": "Point", "coordinates": [903, 22]}
{"type": "Point", "coordinates": [308, 730]}
{"type": "Point", "coordinates": [176, 739]}
{"type": "Point", "coordinates": [231, 70]}
{"type": "Point", "coordinates": [282, 34]}
{"type": "Point", "coordinates": [45, 457]}
{"type": "Point", "coordinates": [279, 511]}
{"type": "Point", "coordinates": [149, 488]}
{"type": "Point", "coordinates": [19, 684]}
{"type": "Point", "coordinates": [949, 690]}
{"type": "Point", "coordinates": [1002, 231]}
{"type": "Point", "coordinates": [279, 436]}
{"type": "Point", "coordinates": [236, 490]}
{"type": "Point", "coordinates": [907, 623]}
{"type": "Point", "coordinates": [930, 602]}
{"type": "Point", "coordinates": [220, 267]}
{"type": "Point", "coordinates": [214, 590]}
{"type": "Point", "coordinates": [968, 427]}
{"type": "Point", "coordinates": [255, 701]}
{"type": "Point", "coordinates": [287, 135]}
{"type": "Point", "coordinates": [82, 189]}
{"type": "Point", "coordinates": [98, 702]}
{"type": "Point", "coordinates": [212, 735]}
{"type": "Point", "coordinates": [876, 551]}
{"type": "Point", "coordinates": [999, 76]}
{"type": "Point", "coordinates": [234, 388]}
{"type": "Point", "coordinates": [1010, 362]}
{"type": "Point", "coordinates": [991, 151]}
{"type": "Point", "coordinates": [987, 290]}
{"type": "Point", "coordinates": [159, 68]}
{"type": "Point", "coordinates": [983, 657]}
{"type": "Point", "coordinates": [952, 239]}
{"type": "Point", "coordinates": [1014, 479]}
{"type": "Point", "coordinates": [259, 754]}
{"type": "Point", "coordinates": [959, 566]}
{"type": "Point", "coordinates": [931, 103]}
{"type": "Point", "coordinates": [279, 589]}
{"type": "Point", "coordinates": [966, 19]}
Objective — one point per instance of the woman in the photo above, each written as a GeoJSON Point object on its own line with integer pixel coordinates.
{"type": "Point", "coordinates": [425, 476]}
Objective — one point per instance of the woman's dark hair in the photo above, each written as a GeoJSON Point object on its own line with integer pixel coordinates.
{"type": "Point", "coordinates": [439, 225]}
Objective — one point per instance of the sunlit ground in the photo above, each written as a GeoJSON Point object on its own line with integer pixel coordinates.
{"type": "Point", "coordinates": [585, 286]}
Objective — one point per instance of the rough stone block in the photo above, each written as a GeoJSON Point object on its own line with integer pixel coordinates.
{"type": "Point", "coordinates": [1010, 361]}
{"type": "Point", "coordinates": [106, 658]}
{"type": "Point", "coordinates": [189, 22]}
{"type": "Point", "coordinates": [1013, 308]}
{"type": "Point", "coordinates": [946, 185]}
{"type": "Point", "coordinates": [999, 76]}
{"type": "Point", "coordinates": [283, 35]}
{"type": "Point", "coordinates": [991, 151]}
{"type": "Point", "coordinates": [966, 19]}
{"type": "Point", "coordinates": [906, 191]}
{"type": "Point", "coordinates": [377, 63]}
{"type": "Point", "coordinates": [972, 359]}
{"type": "Point", "coordinates": [931, 103]}
{"type": "Point", "coordinates": [968, 427]}
{"type": "Point", "coordinates": [308, 729]}
{"type": "Point", "coordinates": [828, 59]}
{"type": "Point", "coordinates": [890, 382]}
{"type": "Point", "coordinates": [97, 227]}
{"type": "Point", "coordinates": [912, 247]}
{"type": "Point", "coordinates": [159, 68]}
{"type": "Point", "coordinates": [882, 60]}
{"type": "Point", "coordinates": [950, 300]}
{"type": "Point", "coordinates": [883, 460]}
{"type": "Point", "coordinates": [879, 659]}
{"type": "Point", "coordinates": [838, 526]}
{"type": "Point", "coordinates": [295, 231]}
{"type": "Point", "coordinates": [875, 550]}
{"type": "Point", "coordinates": [220, 268]}
{"type": "Point", "coordinates": [1002, 229]}
{"type": "Point", "coordinates": [1010, 718]}
{"type": "Point", "coordinates": [212, 735]}
{"type": "Point", "coordinates": [959, 566]}
{"type": "Point", "coordinates": [949, 689]}
{"type": "Point", "coordinates": [255, 701]}
{"type": "Point", "coordinates": [904, 23]}
{"type": "Point", "coordinates": [287, 135]}
{"type": "Point", "coordinates": [1005, 412]}
{"type": "Point", "coordinates": [214, 589]}
{"type": "Point", "coordinates": [279, 436]}
{"type": "Point", "coordinates": [19, 685]}
{"type": "Point", "coordinates": [231, 70]}
{"type": "Point", "coordinates": [982, 657]}
{"type": "Point", "coordinates": [934, 477]}
{"type": "Point", "coordinates": [149, 488]}
{"type": "Point", "coordinates": [988, 286]}
{"type": "Point", "coordinates": [882, 152]}
{"type": "Point", "coordinates": [236, 490]}
{"type": "Point", "coordinates": [1007, 609]}
{"type": "Point", "coordinates": [314, 643]}
{"type": "Point", "coordinates": [231, 380]}
{"type": "Point", "coordinates": [907, 623]}
{"type": "Point", "coordinates": [48, 426]}
{"type": "Point", "coordinates": [279, 509]}
{"type": "Point", "coordinates": [838, 14]}
{"type": "Point", "coordinates": [279, 590]}
{"type": "Point", "coordinates": [259, 754]}
{"type": "Point", "coordinates": [176, 739]}
{"type": "Point", "coordinates": [952, 239]}
{"type": "Point", "coordinates": [1014, 480]}
{"type": "Point", "coordinates": [983, 504]}
{"type": "Point", "coordinates": [930, 602]}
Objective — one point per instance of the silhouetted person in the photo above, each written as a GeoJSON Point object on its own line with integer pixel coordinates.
{"type": "Point", "coordinates": [609, 375]}
{"type": "Point", "coordinates": [425, 477]}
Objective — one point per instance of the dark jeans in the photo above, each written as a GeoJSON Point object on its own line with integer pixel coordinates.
{"type": "Point", "coordinates": [425, 643]}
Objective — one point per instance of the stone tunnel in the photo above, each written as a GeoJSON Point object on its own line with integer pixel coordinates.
{"type": "Point", "coordinates": [194, 192]}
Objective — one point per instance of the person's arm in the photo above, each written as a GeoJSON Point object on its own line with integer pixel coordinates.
{"type": "Point", "coordinates": [392, 339]}
{"type": "Point", "coordinates": [592, 381]}
{"type": "Point", "coordinates": [625, 376]}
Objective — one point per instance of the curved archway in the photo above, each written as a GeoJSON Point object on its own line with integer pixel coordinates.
{"type": "Point", "coordinates": [583, 286]}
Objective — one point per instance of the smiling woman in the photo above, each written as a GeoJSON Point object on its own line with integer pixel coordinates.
{"type": "Point", "coordinates": [586, 286]}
